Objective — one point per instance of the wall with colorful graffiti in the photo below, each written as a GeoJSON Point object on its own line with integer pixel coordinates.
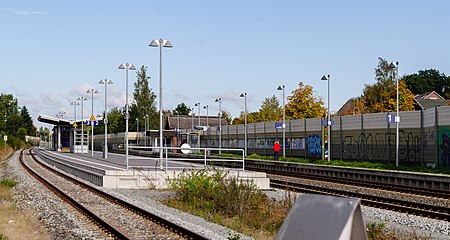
{"type": "Point", "coordinates": [444, 146]}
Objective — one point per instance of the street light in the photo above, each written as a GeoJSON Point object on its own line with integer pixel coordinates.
{"type": "Point", "coordinates": [74, 103]}
{"type": "Point", "coordinates": [137, 131]}
{"type": "Point", "coordinates": [207, 119]}
{"type": "Point", "coordinates": [160, 43]}
{"type": "Point", "coordinates": [198, 105]}
{"type": "Point", "coordinates": [105, 121]}
{"type": "Point", "coordinates": [394, 66]}
{"type": "Point", "coordinates": [145, 129]}
{"type": "Point", "coordinates": [61, 114]}
{"type": "Point", "coordinates": [219, 100]}
{"type": "Point", "coordinates": [92, 91]}
{"type": "Point", "coordinates": [244, 95]}
{"type": "Point", "coordinates": [327, 78]}
{"type": "Point", "coordinates": [284, 122]}
{"type": "Point", "coordinates": [192, 118]}
{"type": "Point", "coordinates": [127, 67]}
{"type": "Point", "coordinates": [82, 99]}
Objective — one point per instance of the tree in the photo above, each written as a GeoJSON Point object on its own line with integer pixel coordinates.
{"type": "Point", "coordinates": [182, 109]}
{"type": "Point", "coordinates": [427, 81]}
{"type": "Point", "coordinates": [270, 110]}
{"type": "Point", "coordinates": [381, 96]}
{"type": "Point", "coordinates": [144, 102]}
{"type": "Point", "coordinates": [116, 121]}
{"type": "Point", "coordinates": [303, 104]}
{"type": "Point", "coordinates": [226, 115]}
{"type": "Point", "coordinates": [8, 108]}
{"type": "Point", "coordinates": [21, 133]}
{"type": "Point", "coordinates": [27, 121]}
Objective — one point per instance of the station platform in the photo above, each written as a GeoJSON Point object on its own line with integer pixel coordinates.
{"type": "Point", "coordinates": [139, 173]}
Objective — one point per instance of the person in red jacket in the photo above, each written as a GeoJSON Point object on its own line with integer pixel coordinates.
{"type": "Point", "coordinates": [276, 150]}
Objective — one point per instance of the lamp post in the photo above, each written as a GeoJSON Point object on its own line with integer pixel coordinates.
{"type": "Point", "coordinates": [61, 113]}
{"type": "Point", "coordinates": [394, 67]}
{"type": "Point", "coordinates": [244, 95]}
{"type": "Point", "coordinates": [219, 100]}
{"type": "Point", "coordinates": [127, 67]}
{"type": "Point", "coordinates": [74, 103]}
{"type": "Point", "coordinates": [92, 91]}
{"type": "Point", "coordinates": [207, 121]}
{"type": "Point", "coordinates": [192, 118]}
{"type": "Point", "coordinates": [145, 129]}
{"type": "Point", "coordinates": [327, 78]}
{"type": "Point", "coordinates": [137, 131]}
{"type": "Point", "coordinates": [198, 106]}
{"type": "Point", "coordinates": [284, 122]}
{"type": "Point", "coordinates": [105, 121]}
{"type": "Point", "coordinates": [82, 99]}
{"type": "Point", "coordinates": [160, 43]}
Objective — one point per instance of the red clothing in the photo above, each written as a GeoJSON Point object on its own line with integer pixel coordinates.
{"type": "Point", "coordinates": [276, 147]}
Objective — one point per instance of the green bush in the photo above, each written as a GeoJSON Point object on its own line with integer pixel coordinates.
{"type": "Point", "coordinates": [3, 237]}
{"type": "Point", "coordinates": [218, 193]}
{"type": "Point", "coordinates": [8, 182]}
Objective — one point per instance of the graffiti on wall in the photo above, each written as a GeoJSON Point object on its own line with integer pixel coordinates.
{"type": "Point", "coordinates": [444, 147]}
{"type": "Point", "coordinates": [314, 145]}
{"type": "Point", "coordinates": [382, 147]}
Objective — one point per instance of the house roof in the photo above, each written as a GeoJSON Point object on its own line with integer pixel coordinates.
{"type": "Point", "coordinates": [186, 121]}
{"type": "Point", "coordinates": [429, 96]}
{"type": "Point", "coordinates": [430, 103]}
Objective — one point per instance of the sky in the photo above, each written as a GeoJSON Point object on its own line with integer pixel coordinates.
{"type": "Point", "coordinates": [52, 52]}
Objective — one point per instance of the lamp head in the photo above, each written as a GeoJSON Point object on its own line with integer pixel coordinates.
{"type": "Point", "coordinates": [243, 95]}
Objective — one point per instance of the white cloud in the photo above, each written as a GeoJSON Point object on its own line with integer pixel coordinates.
{"type": "Point", "coordinates": [24, 12]}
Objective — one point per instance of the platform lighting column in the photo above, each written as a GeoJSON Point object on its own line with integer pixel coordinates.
{"type": "Point", "coordinates": [198, 106]}
{"type": "Point", "coordinates": [160, 43]}
{"type": "Point", "coordinates": [219, 100]}
{"type": "Point", "coordinates": [284, 122]}
{"type": "Point", "coordinates": [244, 95]}
{"type": "Point", "coordinates": [74, 103]}
{"type": "Point", "coordinates": [327, 78]}
{"type": "Point", "coordinates": [105, 121]}
{"type": "Point", "coordinates": [145, 129]}
{"type": "Point", "coordinates": [207, 121]}
{"type": "Point", "coordinates": [394, 67]}
{"type": "Point", "coordinates": [137, 131]}
{"type": "Point", "coordinates": [92, 91]}
{"type": "Point", "coordinates": [127, 67]}
{"type": "Point", "coordinates": [192, 118]}
{"type": "Point", "coordinates": [82, 99]}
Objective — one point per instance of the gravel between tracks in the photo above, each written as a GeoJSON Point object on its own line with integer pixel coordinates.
{"type": "Point", "coordinates": [63, 224]}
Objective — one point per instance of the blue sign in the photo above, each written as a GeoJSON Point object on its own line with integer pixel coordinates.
{"type": "Point", "coordinates": [90, 123]}
{"type": "Point", "coordinates": [326, 123]}
{"type": "Point", "coordinates": [278, 124]}
{"type": "Point", "coordinates": [390, 118]}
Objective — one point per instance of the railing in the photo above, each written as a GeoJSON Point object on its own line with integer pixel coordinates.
{"type": "Point", "coordinates": [173, 154]}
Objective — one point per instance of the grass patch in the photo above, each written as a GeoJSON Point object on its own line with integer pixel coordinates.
{"type": "Point", "coordinates": [230, 202]}
{"type": "Point", "coordinates": [8, 182]}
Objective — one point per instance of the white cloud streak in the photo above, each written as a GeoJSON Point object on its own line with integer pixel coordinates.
{"type": "Point", "coordinates": [24, 12]}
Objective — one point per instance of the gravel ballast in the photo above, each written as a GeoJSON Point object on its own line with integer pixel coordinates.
{"type": "Point", "coordinates": [62, 223]}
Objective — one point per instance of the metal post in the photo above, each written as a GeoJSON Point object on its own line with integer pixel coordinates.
{"type": "Point", "coordinates": [160, 102]}
{"type": "Point", "coordinates": [92, 91]}
{"type": "Point", "coordinates": [284, 122]}
{"type": "Point", "coordinates": [126, 66]}
{"type": "Point", "coordinates": [82, 99]}
{"type": "Point", "coordinates": [220, 124]}
{"type": "Point", "coordinates": [397, 121]}
{"type": "Point", "coordinates": [244, 95]}
{"type": "Point", "coordinates": [105, 120]}
{"type": "Point", "coordinates": [329, 122]}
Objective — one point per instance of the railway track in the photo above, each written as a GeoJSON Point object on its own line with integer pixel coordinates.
{"type": "Point", "coordinates": [410, 207]}
{"type": "Point", "coordinates": [428, 192]}
{"type": "Point", "coordinates": [117, 218]}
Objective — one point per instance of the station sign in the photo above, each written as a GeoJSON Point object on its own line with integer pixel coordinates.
{"type": "Point", "coordinates": [328, 123]}
{"type": "Point", "coordinates": [92, 123]}
{"type": "Point", "coordinates": [392, 118]}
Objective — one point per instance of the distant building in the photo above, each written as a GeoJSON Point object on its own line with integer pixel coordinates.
{"type": "Point", "coordinates": [186, 121]}
{"type": "Point", "coordinates": [429, 100]}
